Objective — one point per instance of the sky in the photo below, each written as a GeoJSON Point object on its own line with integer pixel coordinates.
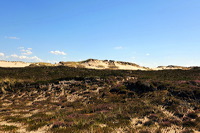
{"type": "Point", "coordinates": [146, 32]}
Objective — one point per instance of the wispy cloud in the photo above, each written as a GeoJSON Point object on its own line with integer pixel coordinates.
{"type": "Point", "coordinates": [26, 51]}
{"type": "Point", "coordinates": [22, 57]}
{"type": "Point", "coordinates": [2, 54]}
{"type": "Point", "coordinates": [12, 37]}
{"type": "Point", "coordinates": [57, 52]}
{"type": "Point", "coordinates": [118, 47]}
{"type": "Point", "coordinates": [147, 54]}
{"type": "Point", "coordinates": [20, 47]}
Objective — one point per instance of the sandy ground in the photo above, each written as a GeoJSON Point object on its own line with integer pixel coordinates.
{"type": "Point", "coordinates": [98, 64]}
{"type": "Point", "coordinates": [13, 64]}
{"type": "Point", "coordinates": [170, 68]}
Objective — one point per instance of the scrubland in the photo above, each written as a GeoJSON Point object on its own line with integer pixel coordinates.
{"type": "Point", "coordinates": [64, 99]}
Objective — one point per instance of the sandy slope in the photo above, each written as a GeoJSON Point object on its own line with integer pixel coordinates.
{"type": "Point", "coordinates": [130, 67]}
{"type": "Point", "coordinates": [93, 64]}
{"type": "Point", "coordinates": [114, 65]}
{"type": "Point", "coordinates": [13, 64]}
{"type": "Point", "coordinates": [171, 68]}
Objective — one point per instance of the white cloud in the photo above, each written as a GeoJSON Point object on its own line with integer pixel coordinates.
{"type": "Point", "coordinates": [58, 52]}
{"type": "Point", "coordinates": [147, 54]}
{"type": "Point", "coordinates": [22, 57]}
{"type": "Point", "coordinates": [20, 47]}
{"type": "Point", "coordinates": [14, 55]}
{"type": "Point", "coordinates": [2, 54]}
{"type": "Point", "coordinates": [26, 51]}
{"type": "Point", "coordinates": [35, 58]}
{"type": "Point", "coordinates": [12, 37]}
{"type": "Point", "coordinates": [118, 47]}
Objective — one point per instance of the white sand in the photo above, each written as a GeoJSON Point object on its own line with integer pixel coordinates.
{"type": "Point", "coordinates": [13, 64]}
{"type": "Point", "coordinates": [99, 64]}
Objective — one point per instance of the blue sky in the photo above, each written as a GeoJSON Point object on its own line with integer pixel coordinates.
{"type": "Point", "coordinates": [146, 32]}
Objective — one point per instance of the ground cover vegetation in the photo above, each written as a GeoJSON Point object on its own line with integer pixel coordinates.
{"type": "Point", "coordinates": [65, 99]}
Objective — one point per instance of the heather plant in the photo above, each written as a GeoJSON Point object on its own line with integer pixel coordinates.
{"type": "Point", "coordinates": [99, 100]}
{"type": "Point", "coordinates": [7, 128]}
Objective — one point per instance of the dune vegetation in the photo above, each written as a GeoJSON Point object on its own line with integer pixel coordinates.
{"type": "Point", "coordinates": [65, 99]}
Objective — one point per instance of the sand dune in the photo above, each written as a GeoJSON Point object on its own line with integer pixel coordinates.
{"type": "Point", "coordinates": [13, 64]}
{"type": "Point", "coordinates": [92, 64]}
